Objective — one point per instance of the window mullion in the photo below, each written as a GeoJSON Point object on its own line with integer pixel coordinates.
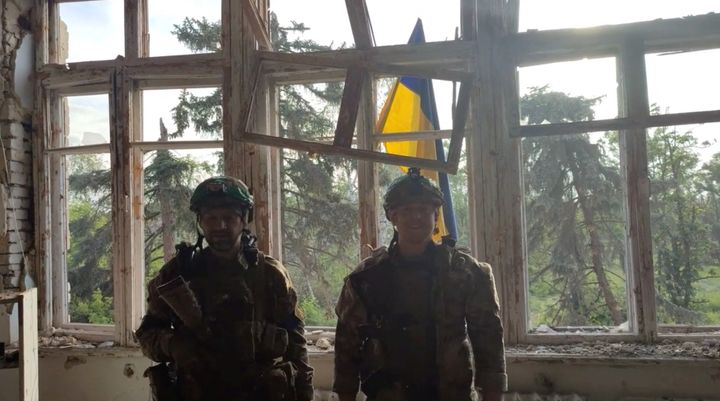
{"type": "Point", "coordinates": [136, 29]}
{"type": "Point", "coordinates": [58, 185]}
{"type": "Point", "coordinates": [136, 216]}
{"type": "Point", "coordinates": [121, 170]}
{"type": "Point", "coordinates": [367, 171]}
{"type": "Point", "coordinates": [633, 98]}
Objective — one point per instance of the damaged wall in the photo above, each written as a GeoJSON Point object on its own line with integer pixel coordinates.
{"type": "Point", "coordinates": [16, 208]}
{"type": "Point", "coordinates": [116, 375]}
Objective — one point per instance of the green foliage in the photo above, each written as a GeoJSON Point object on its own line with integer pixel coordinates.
{"type": "Point", "coordinates": [203, 112]}
{"type": "Point", "coordinates": [199, 35]}
{"type": "Point", "coordinates": [573, 204]}
{"type": "Point", "coordinates": [681, 197]}
{"type": "Point", "coordinates": [541, 105]}
{"type": "Point", "coordinates": [709, 185]}
{"type": "Point", "coordinates": [169, 183]}
{"type": "Point", "coordinates": [89, 254]}
{"type": "Point", "coordinates": [315, 314]}
{"type": "Point", "coordinates": [96, 309]}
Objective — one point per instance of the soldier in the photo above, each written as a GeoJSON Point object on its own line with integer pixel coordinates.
{"type": "Point", "coordinates": [222, 320]}
{"type": "Point", "coordinates": [413, 316]}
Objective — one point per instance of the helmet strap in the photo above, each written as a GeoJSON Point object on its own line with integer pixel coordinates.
{"type": "Point", "coordinates": [199, 242]}
{"type": "Point", "coordinates": [395, 238]}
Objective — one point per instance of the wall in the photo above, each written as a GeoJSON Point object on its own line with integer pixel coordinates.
{"type": "Point", "coordinates": [116, 375]}
{"type": "Point", "coordinates": [16, 89]}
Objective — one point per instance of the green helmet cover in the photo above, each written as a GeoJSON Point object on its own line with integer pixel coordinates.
{"type": "Point", "coordinates": [412, 187]}
{"type": "Point", "coordinates": [222, 191]}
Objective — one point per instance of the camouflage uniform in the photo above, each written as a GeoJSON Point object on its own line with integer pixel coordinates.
{"type": "Point", "coordinates": [407, 329]}
{"type": "Point", "coordinates": [239, 304]}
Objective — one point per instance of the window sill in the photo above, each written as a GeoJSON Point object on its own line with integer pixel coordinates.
{"type": "Point", "coordinates": [708, 349]}
{"type": "Point", "coordinates": [110, 352]}
{"type": "Point", "coordinates": [591, 351]}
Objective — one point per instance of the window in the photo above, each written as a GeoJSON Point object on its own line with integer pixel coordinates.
{"type": "Point", "coordinates": [683, 166]}
{"type": "Point", "coordinates": [124, 146]}
{"type": "Point", "coordinates": [593, 222]}
{"type": "Point", "coordinates": [573, 202]}
{"type": "Point", "coordinates": [81, 209]}
{"type": "Point", "coordinates": [551, 186]}
{"type": "Point", "coordinates": [176, 122]}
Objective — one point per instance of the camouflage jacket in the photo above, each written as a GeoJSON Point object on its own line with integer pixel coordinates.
{"type": "Point", "coordinates": [238, 303]}
{"type": "Point", "coordinates": [466, 320]}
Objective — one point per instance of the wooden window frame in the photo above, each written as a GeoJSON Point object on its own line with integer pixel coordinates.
{"type": "Point", "coordinates": [123, 78]}
{"type": "Point", "coordinates": [491, 51]}
{"type": "Point", "coordinates": [629, 44]}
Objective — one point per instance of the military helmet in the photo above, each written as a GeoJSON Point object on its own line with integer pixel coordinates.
{"type": "Point", "coordinates": [412, 187]}
{"type": "Point", "coordinates": [222, 191]}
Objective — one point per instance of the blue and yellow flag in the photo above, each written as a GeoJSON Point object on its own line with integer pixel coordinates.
{"type": "Point", "coordinates": [410, 107]}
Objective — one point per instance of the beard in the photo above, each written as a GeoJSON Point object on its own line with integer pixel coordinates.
{"type": "Point", "coordinates": [222, 242]}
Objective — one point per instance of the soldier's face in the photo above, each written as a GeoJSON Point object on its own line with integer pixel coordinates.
{"type": "Point", "coordinates": [222, 227]}
{"type": "Point", "coordinates": [415, 221]}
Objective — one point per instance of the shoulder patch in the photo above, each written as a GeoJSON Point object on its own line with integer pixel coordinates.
{"type": "Point", "coordinates": [462, 258]}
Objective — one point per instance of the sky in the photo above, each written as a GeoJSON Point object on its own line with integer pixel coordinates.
{"type": "Point", "coordinates": [95, 32]}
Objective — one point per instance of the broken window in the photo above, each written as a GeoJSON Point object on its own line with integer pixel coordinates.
{"type": "Point", "coordinates": [81, 209]}
{"type": "Point", "coordinates": [573, 201]}
{"type": "Point", "coordinates": [684, 168]}
{"type": "Point", "coordinates": [126, 143]}
{"type": "Point", "coordinates": [592, 224]}
{"type": "Point", "coordinates": [90, 30]}
{"type": "Point", "coordinates": [166, 111]}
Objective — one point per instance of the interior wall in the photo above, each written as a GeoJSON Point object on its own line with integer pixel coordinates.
{"type": "Point", "coordinates": [16, 92]}
{"type": "Point", "coordinates": [116, 375]}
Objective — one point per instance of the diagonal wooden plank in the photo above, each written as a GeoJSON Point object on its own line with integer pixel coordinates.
{"type": "Point", "coordinates": [257, 24]}
{"type": "Point", "coordinates": [354, 81]}
{"type": "Point", "coordinates": [248, 100]}
{"type": "Point", "coordinates": [362, 154]}
{"type": "Point", "coordinates": [459, 121]}
{"type": "Point", "coordinates": [360, 24]}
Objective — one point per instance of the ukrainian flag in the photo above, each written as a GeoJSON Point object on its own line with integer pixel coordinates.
{"type": "Point", "coordinates": [410, 107]}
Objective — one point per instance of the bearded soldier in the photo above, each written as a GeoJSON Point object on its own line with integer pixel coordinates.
{"type": "Point", "coordinates": [418, 321]}
{"type": "Point", "coordinates": [222, 320]}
